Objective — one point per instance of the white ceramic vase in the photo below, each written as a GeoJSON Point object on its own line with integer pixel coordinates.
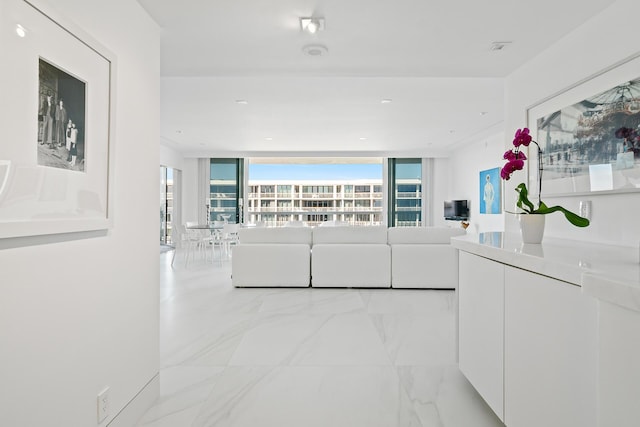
{"type": "Point", "coordinates": [532, 228]}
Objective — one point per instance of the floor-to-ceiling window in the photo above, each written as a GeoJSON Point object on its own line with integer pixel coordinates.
{"type": "Point", "coordinates": [225, 190]}
{"type": "Point", "coordinates": [405, 192]}
{"type": "Point", "coordinates": [355, 191]}
{"type": "Point", "coordinates": [166, 204]}
{"type": "Point", "coordinates": [315, 190]}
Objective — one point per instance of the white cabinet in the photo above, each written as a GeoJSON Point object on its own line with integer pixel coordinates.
{"type": "Point", "coordinates": [571, 329]}
{"type": "Point", "coordinates": [619, 391]}
{"type": "Point", "coordinates": [528, 344]}
{"type": "Point", "coordinates": [550, 352]}
{"type": "Point", "coordinates": [481, 325]}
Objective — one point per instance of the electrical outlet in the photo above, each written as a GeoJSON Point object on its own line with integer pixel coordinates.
{"type": "Point", "coordinates": [103, 405]}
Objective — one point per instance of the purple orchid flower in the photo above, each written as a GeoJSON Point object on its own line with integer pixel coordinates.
{"type": "Point", "coordinates": [522, 137]}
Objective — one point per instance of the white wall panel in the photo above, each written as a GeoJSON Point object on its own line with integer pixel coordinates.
{"type": "Point", "coordinates": [578, 56]}
{"type": "Point", "coordinates": [79, 312]}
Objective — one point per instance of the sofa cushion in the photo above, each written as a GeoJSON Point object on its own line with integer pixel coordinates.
{"type": "Point", "coordinates": [424, 266]}
{"type": "Point", "coordinates": [349, 235]}
{"type": "Point", "coordinates": [276, 235]}
{"type": "Point", "coordinates": [346, 265]}
{"type": "Point", "coordinates": [423, 235]}
{"type": "Point", "coordinates": [270, 265]}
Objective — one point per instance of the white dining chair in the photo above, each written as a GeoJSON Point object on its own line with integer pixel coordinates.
{"type": "Point", "coordinates": [230, 236]}
{"type": "Point", "coordinates": [184, 241]}
{"type": "Point", "coordinates": [212, 238]}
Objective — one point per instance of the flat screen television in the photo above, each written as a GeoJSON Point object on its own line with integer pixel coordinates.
{"type": "Point", "coordinates": [457, 210]}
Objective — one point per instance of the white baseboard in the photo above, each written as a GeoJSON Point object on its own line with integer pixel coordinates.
{"type": "Point", "coordinates": [136, 408]}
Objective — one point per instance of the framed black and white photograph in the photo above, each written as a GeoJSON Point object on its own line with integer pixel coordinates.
{"type": "Point", "coordinates": [590, 134]}
{"type": "Point", "coordinates": [56, 163]}
{"type": "Point", "coordinates": [61, 118]}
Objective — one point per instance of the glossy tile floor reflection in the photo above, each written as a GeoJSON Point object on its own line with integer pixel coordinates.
{"type": "Point", "coordinates": [306, 357]}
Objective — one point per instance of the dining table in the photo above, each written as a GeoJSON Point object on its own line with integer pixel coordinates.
{"type": "Point", "coordinates": [215, 238]}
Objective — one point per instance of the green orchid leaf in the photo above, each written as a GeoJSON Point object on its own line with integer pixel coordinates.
{"type": "Point", "coordinates": [526, 205]}
{"type": "Point", "coordinates": [523, 200]}
{"type": "Point", "coordinates": [574, 219]}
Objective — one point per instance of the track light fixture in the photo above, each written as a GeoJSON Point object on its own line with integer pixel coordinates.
{"type": "Point", "coordinates": [312, 25]}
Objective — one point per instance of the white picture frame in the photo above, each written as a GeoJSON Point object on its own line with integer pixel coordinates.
{"type": "Point", "coordinates": [41, 197]}
{"type": "Point", "coordinates": [579, 172]}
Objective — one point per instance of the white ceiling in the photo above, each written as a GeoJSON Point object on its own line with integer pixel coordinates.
{"type": "Point", "coordinates": [432, 59]}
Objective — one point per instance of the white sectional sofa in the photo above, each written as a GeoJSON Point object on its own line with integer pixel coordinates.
{"type": "Point", "coordinates": [350, 257]}
{"type": "Point", "coordinates": [272, 257]}
{"type": "Point", "coordinates": [344, 256]}
{"type": "Point", "coordinates": [422, 257]}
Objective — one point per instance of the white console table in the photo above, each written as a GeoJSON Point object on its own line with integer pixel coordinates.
{"type": "Point", "coordinates": [550, 334]}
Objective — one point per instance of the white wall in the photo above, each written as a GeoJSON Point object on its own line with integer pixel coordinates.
{"type": "Point", "coordinates": [601, 42]}
{"type": "Point", "coordinates": [441, 191]}
{"type": "Point", "coordinates": [171, 158]}
{"type": "Point", "coordinates": [80, 312]}
{"type": "Point", "coordinates": [465, 165]}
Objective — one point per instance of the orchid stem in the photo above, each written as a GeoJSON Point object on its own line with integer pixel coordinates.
{"type": "Point", "coordinates": [539, 173]}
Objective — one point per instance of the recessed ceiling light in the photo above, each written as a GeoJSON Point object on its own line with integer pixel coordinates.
{"type": "Point", "coordinates": [386, 101]}
{"type": "Point", "coordinates": [363, 138]}
{"type": "Point", "coordinates": [312, 25]}
{"type": "Point", "coordinates": [498, 46]}
{"type": "Point", "coordinates": [20, 31]}
{"type": "Point", "coordinates": [268, 138]}
{"type": "Point", "coordinates": [242, 101]}
{"type": "Point", "coordinates": [315, 50]}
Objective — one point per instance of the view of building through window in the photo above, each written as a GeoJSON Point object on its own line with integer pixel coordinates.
{"type": "Point", "coordinates": [224, 190]}
{"type": "Point", "coordinates": [344, 191]}
{"type": "Point", "coordinates": [166, 205]}
{"type": "Point", "coordinates": [407, 195]}
{"type": "Point", "coordinates": [348, 191]}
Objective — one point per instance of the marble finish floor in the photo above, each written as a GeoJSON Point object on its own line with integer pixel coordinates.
{"type": "Point", "coordinates": [306, 357]}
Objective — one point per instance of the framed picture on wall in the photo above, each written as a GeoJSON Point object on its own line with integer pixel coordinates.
{"type": "Point", "coordinates": [61, 118]}
{"type": "Point", "coordinates": [56, 158]}
{"type": "Point", "coordinates": [590, 134]}
{"type": "Point", "coordinates": [490, 191]}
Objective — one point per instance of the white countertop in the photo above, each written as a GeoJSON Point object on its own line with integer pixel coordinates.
{"type": "Point", "coordinates": [609, 273]}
